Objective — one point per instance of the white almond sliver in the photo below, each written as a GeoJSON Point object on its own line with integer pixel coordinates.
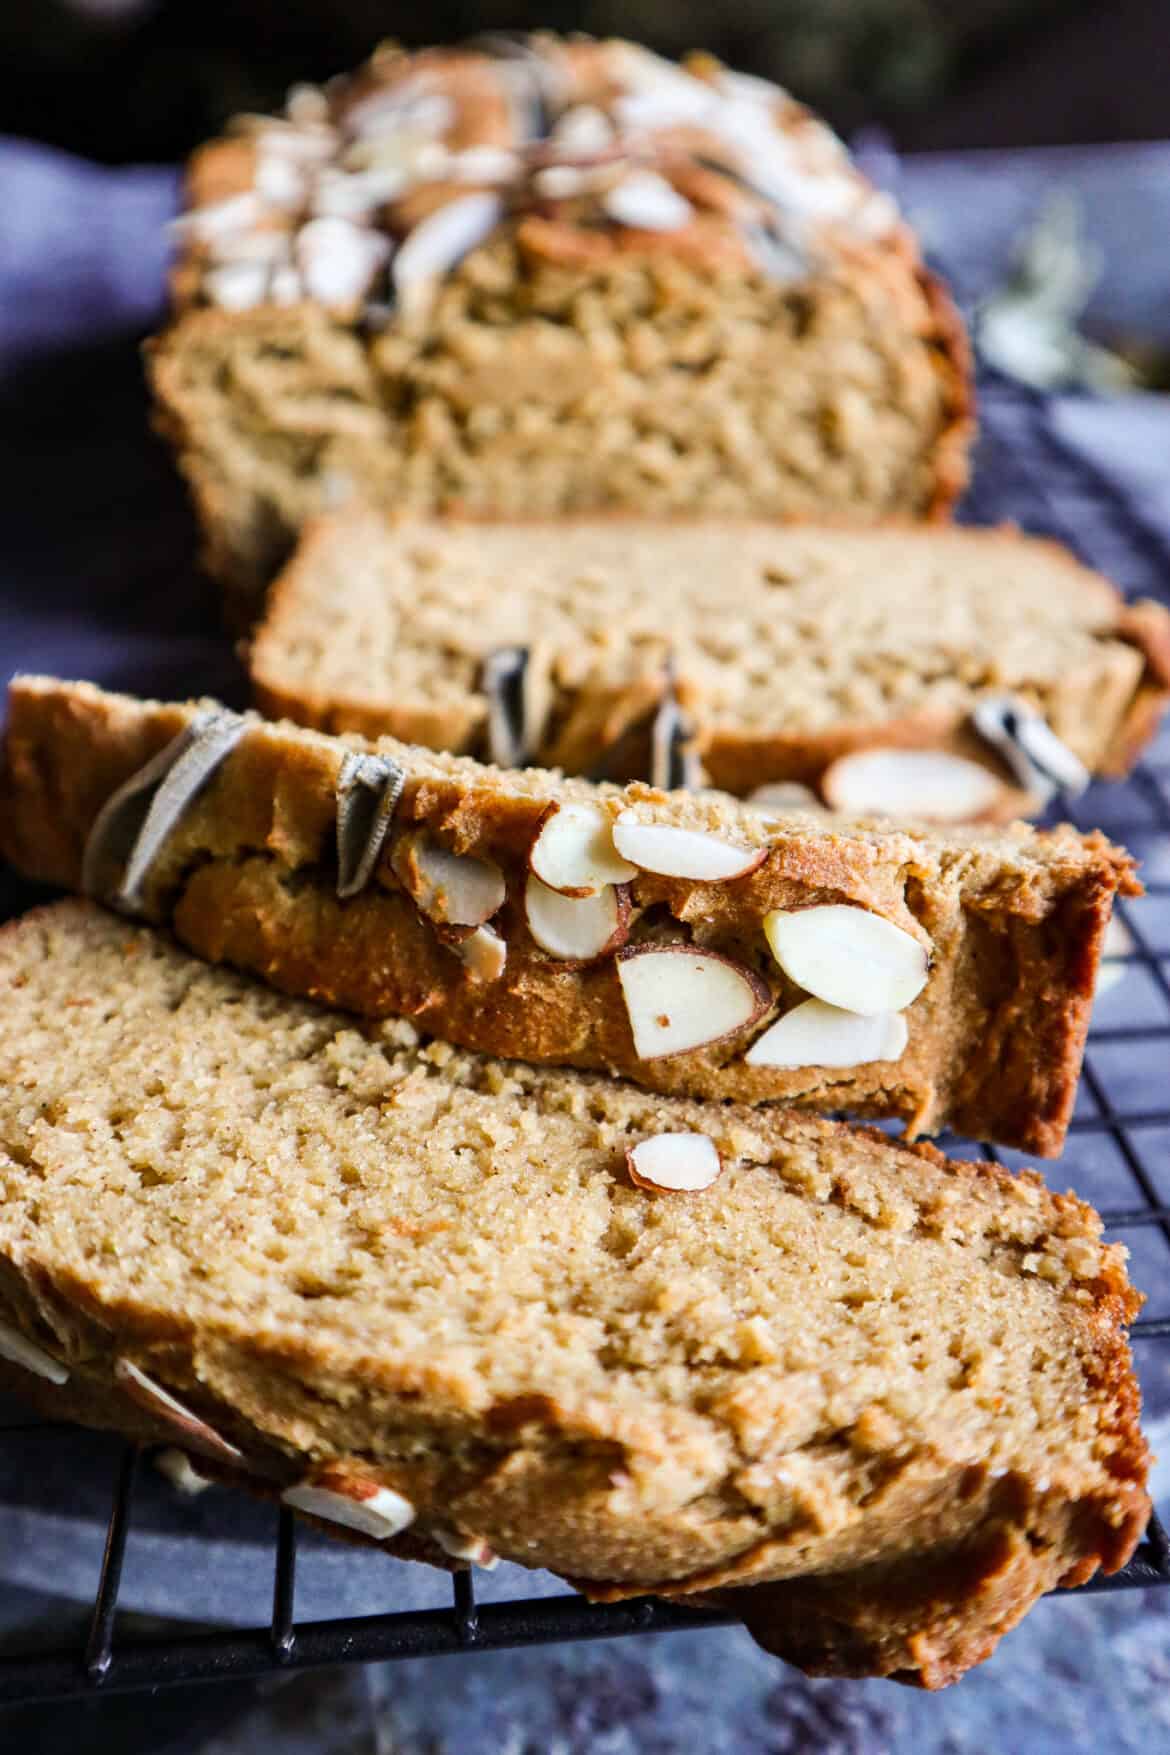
{"type": "Point", "coordinates": [237, 286]}
{"type": "Point", "coordinates": [220, 219]}
{"type": "Point", "coordinates": [19, 1350]}
{"type": "Point", "coordinates": [485, 953]}
{"type": "Point", "coordinates": [280, 180]}
{"type": "Point", "coordinates": [452, 889]}
{"type": "Point", "coordinates": [583, 129]}
{"type": "Point", "coordinates": [683, 853]}
{"type": "Point", "coordinates": [579, 928]}
{"type": "Point", "coordinates": [176, 1467]}
{"type": "Point", "coordinates": [679, 998]}
{"type": "Point", "coordinates": [574, 851]}
{"type": "Point", "coordinates": [1038, 758]}
{"type": "Point", "coordinates": [381, 1514]}
{"type": "Point", "coordinates": [816, 1034]}
{"type": "Point", "coordinates": [782, 796]}
{"type": "Point", "coordinates": [932, 784]}
{"type": "Point", "coordinates": [338, 259]}
{"type": "Point", "coordinates": [461, 1547]}
{"type": "Point", "coordinates": [848, 956]}
{"type": "Point", "coordinates": [441, 241]}
{"type": "Point", "coordinates": [647, 202]}
{"type": "Point", "coordinates": [680, 1162]}
{"type": "Point", "coordinates": [164, 1406]}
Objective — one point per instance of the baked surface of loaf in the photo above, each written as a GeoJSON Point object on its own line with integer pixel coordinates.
{"type": "Point", "coordinates": [424, 1283]}
{"type": "Point", "coordinates": [568, 277]}
{"type": "Point", "coordinates": [978, 1023]}
{"type": "Point", "coordinates": [790, 647]}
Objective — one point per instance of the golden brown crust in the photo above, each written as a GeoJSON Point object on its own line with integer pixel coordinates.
{"type": "Point", "coordinates": [1014, 922]}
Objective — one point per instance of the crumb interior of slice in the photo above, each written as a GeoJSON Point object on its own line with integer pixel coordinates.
{"type": "Point", "coordinates": [775, 630]}
{"type": "Point", "coordinates": [180, 1139]}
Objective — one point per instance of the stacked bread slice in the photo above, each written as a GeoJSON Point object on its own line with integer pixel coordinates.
{"type": "Point", "coordinates": [957, 675]}
{"type": "Point", "coordinates": [465, 1308]}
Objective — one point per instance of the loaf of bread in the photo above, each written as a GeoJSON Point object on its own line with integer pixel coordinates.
{"type": "Point", "coordinates": [545, 276]}
{"type": "Point", "coordinates": [686, 941]}
{"type": "Point", "coordinates": [464, 1308]}
{"type": "Point", "coordinates": [877, 666]}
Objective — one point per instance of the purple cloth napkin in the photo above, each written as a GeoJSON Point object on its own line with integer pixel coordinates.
{"type": "Point", "coordinates": [83, 249]}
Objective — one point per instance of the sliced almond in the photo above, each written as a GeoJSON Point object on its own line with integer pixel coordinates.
{"type": "Point", "coordinates": [357, 1504]}
{"type": "Point", "coordinates": [816, 1034]}
{"type": "Point", "coordinates": [19, 1350]}
{"type": "Point", "coordinates": [1040, 761]}
{"type": "Point", "coordinates": [646, 202]}
{"type": "Point", "coordinates": [848, 956]}
{"type": "Point", "coordinates": [463, 1547]}
{"type": "Point", "coordinates": [933, 784]}
{"type": "Point", "coordinates": [578, 928]}
{"type": "Point", "coordinates": [452, 889]}
{"type": "Point", "coordinates": [338, 259]}
{"type": "Point", "coordinates": [574, 851]}
{"type": "Point", "coordinates": [782, 796]}
{"type": "Point", "coordinates": [237, 286]}
{"type": "Point", "coordinates": [683, 853]}
{"type": "Point", "coordinates": [176, 1467]}
{"type": "Point", "coordinates": [679, 997]}
{"type": "Point", "coordinates": [680, 1162]}
{"type": "Point", "coordinates": [440, 242]}
{"type": "Point", "coordinates": [164, 1406]}
{"type": "Point", "coordinates": [485, 953]}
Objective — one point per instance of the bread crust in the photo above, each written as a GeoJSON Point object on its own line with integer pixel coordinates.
{"type": "Point", "coordinates": [1014, 925]}
{"type": "Point", "coordinates": [1115, 711]}
{"type": "Point", "coordinates": [595, 1482]}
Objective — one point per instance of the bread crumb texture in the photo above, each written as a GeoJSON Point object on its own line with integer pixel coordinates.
{"type": "Point", "coordinates": [351, 1248]}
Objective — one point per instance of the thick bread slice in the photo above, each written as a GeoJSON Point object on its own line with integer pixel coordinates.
{"type": "Point", "coordinates": [790, 648]}
{"type": "Point", "coordinates": [436, 285]}
{"type": "Point", "coordinates": [425, 1283]}
{"type": "Point", "coordinates": [996, 935]}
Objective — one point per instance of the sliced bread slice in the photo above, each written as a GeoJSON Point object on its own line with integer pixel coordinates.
{"type": "Point", "coordinates": [833, 658]}
{"type": "Point", "coordinates": [421, 1296]}
{"type": "Point", "coordinates": [684, 940]}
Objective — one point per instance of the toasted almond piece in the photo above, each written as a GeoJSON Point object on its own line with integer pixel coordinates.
{"type": "Point", "coordinates": [848, 956]}
{"type": "Point", "coordinates": [338, 259]}
{"type": "Point", "coordinates": [452, 889]}
{"type": "Point", "coordinates": [19, 1350]}
{"type": "Point", "coordinates": [1040, 761]}
{"type": "Point", "coordinates": [681, 1162]}
{"type": "Point", "coordinates": [164, 1406]}
{"type": "Point", "coordinates": [176, 1467]}
{"type": "Point", "coordinates": [440, 242]}
{"type": "Point", "coordinates": [647, 202]}
{"type": "Point", "coordinates": [462, 1547]}
{"type": "Point", "coordinates": [359, 1505]}
{"type": "Point", "coordinates": [934, 784]}
{"type": "Point", "coordinates": [485, 953]}
{"type": "Point", "coordinates": [574, 851]}
{"type": "Point", "coordinates": [580, 928]}
{"type": "Point", "coordinates": [816, 1034]}
{"type": "Point", "coordinates": [679, 997]}
{"type": "Point", "coordinates": [783, 796]}
{"type": "Point", "coordinates": [683, 853]}
{"type": "Point", "coordinates": [1117, 945]}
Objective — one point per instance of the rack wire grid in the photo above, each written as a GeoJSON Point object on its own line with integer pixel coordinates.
{"type": "Point", "coordinates": [1026, 474]}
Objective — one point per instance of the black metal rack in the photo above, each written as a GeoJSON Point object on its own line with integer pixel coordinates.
{"type": "Point", "coordinates": [1026, 474]}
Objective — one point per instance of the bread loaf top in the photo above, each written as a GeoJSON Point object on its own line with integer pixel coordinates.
{"type": "Point", "coordinates": [364, 192]}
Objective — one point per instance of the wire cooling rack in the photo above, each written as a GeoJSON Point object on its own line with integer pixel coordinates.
{"type": "Point", "coordinates": [1118, 1156]}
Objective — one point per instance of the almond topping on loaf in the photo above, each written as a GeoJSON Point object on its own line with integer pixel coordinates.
{"type": "Point", "coordinates": [159, 1402]}
{"type": "Point", "coordinates": [848, 957]}
{"type": "Point", "coordinates": [679, 997]}
{"type": "Point", "coordinates": [677, 1162]}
